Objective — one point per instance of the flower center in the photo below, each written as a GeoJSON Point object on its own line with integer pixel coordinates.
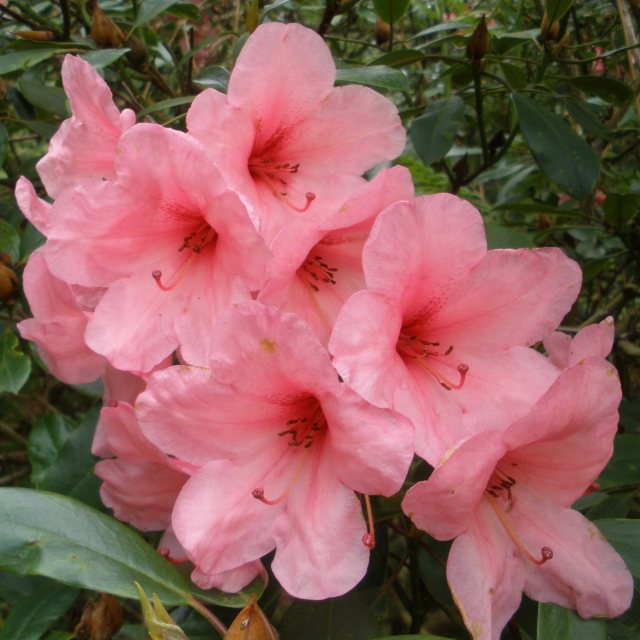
{"type": "Point", "coordinates": [499, 496]}
{"type": "Point", "coordinates": [317, 271]}
{"type": "Point", "coordinates": [423, 352]}
{"type": "Point", "coordinates": [277, 176]}
{"type": "Point", "coordinates": [301, 432]}
{"type": "Point", "coordinates": [194, 242]}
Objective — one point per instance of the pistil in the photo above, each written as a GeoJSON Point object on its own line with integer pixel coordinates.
{"type": "Point", "coordinates": [276, 175]}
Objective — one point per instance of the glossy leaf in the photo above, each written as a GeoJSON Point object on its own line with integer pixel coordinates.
{"type": "Point", "coordinates": [433, 132]}
{"type": "Point", "coordinates": [564, 624]}
{"type": "Point", "coordinates": [586, 116]}
{"type": "Point", "coordinates": [9, 241]}
{"type": "Point", "coordinates": [624, 467]}
{"type": "Point", "coordinates": [23, 60]}
{"type": "Point", "coordinates": [15, 366]}
{"type": "Point", "coordinates": [557, 9]}
{"type": "Point", "coordinates": [391, 10]}
{"type": "Point", "coordinates": [621, 209]}
{"type": "Point", "coordinates": [103, 57]}
{"type": "Point", "coordinates": [399, 58]}
{"type": "Point", "coordinates": [376, 76]}
{"type": "Point", "coordinates": [608, 89]}
{"type": "Point", "coordinates": [49, 99]}
{"type": "Point", "coordinates": [561, 154]}
{"type": "Point", "coordinates": [149, 9]}
{"type": "Point", "coordinates": [32, 615]}
{"type": "Point", "coordinates": [213, 77]}
{"type": "Point", "coordinates": [64, 539]}
{"type": "Point", "coordinates": [4, 144]}
{"type": "Point", "coordinates": [624, 536]}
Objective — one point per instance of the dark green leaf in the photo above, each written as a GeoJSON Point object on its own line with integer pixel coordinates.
{"type": "Point", "coordinates": [22, 60]}
{"type": "Point", "coordinates": [347, 618]}
{"type": "Point", "coordinates": [42, 128]}
{"type": "Point", "coordinates": [399, 58]}
{"type": "Point", "coordinates": [557, 623]}
{"type": "Point", "coordinates": [433, 132]}
{"type": "Point", "coordinates": [103, 57]}
{"type": "Point", "coordinates": [557, 9]}
{"type": "Point", "coordinates": [502, 237]}
{"type": "Point", "coordinates": [166, 104]}
{"type": "Point", "coordinates": [391, 10]}
{"type": "Point", "coordinates": [515, 75]}
{"type": "Point", "coordinates": [55, 536]}
{"type": "Point", "coordinates": [586, 116]}
{"type": "Point", "coordinates": [61, 459]}
{"type": "Point", "coordinates": [621, 209]}
{"type": "Point", "coordinates": [149, 9]}
{"type": "Point", "coordinates": [624, 536]}
{"type": "Point", "coordinates": [624, 467]}
{"type": "Point", "coordinates": [608, 89]}
{"type": "Point", "coordinates": [630, 414]}
{"type": "Point", "coordinates": [213, 77]}
{"type": "Point", "coordinates": [49, 99]}
{"type": "Point", "coordinates": [561, 154]}
{"type": "Point", "coordinates": [184, 10]}
{"type": "Point", "coordinates": [9, 241]}
{"type": "Point", "coordinates": [378, 77]}
{"type": "Point", "coordinates": [15, 366]}
{"type": "Point", "coordinates": [4, 144]}
{"type": "Point", "coordinates": [31, 616]}
{"type": "Point", "coordinates": [30, 240]}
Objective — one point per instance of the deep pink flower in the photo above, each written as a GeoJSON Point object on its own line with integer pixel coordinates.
{"type": "Point", "coordinates": [441, 333]}
{"type": "Point", "coordinates": [284, 137]}
{"type": "Point", "coordinates": [506, 496]}
{"type": "Point", "coordinates": [317, 264]}
{"type": "Point", "coordinates": [169, 242]}
{"type": "Point", "coordinates": [280, 445]}
{"type": "Point", "coordinates": [83, 148]}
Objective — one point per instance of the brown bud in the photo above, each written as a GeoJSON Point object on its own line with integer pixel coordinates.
{"type": "Point", "coordinates": [382, 31]}
{"type": "Point", "coordinates": [478, 44]}
{"type": "Point", "coordinates": [139, 53]}
{"type": "Point", "coordinates": [100, 619]}
{"type": "Point", "coordinates": [8, 283]}
{"type": "Point", "coordinates": [549, 31]}
{"type": "Point", "coordinates": [251, 624]}
{"type": "Point", "coordinates": [104, 31]}
{"type": "Point", "coordinates": [36, 36]}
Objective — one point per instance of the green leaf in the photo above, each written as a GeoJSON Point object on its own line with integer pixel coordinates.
{"type": "Point", "coordinates": [55, 536]}
{"type": "Point", "coordinates": [608, 89]}
{"type": "Point", "coordinates": [624, 537]}
{"type": "Point", "coordinates": [624, 467]}
{"type": "Point", "coordinates": [4, 143]}
{"type": "Point", "coordinates": [103, 57]}
{"type": "Point", "coordinates": [561, 154]}
{"type": "Point", "coordinates": [213, 77]}
{"type": "Point", "coordinates": [149, 9]}
{"type": "Point", "coordinates": [9, 241]}
{"type": "Point", "coordinates": [557, 623]}
{"type": "Point", "coordinates": [60, 456]}
{"type": "Point", "coordinates": [586, 115]}
{"type": "Point", "coordinates": [15, 366]}
{"type": "Point", "coordinates": [557, 9]}
{"type": "Point", "coordinates": [375, 76]}
{"type": "Point", "coordinates": [433, 132]}
{"type": "Point", "coordinates": [621, 209]}
{"type": "Point", "coordinates": [515, 75]}
{"type": "Point", "coordinates": [49, 99]}
{"type": "Point", "coordinates": [166, 104]}
{"type": "Point", "coordinates": [31, 616]}
{"type": "Point", "coordinates": [23, 60]}
{"type": "Point", "coordinates": [399, 58]}
{"type": "Point", "coordinates": [421, 637]}
{"type": "Point", "coordinates": [347, 618]}
{"type": "Point", "coordinates": [391, 10]}
{"type": "Point", "coordinates": [185, 10]}
{"type": "Point", "coordinates": [502, 237]}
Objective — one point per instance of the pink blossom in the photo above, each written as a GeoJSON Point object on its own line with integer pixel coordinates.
{"type": "Point", "coordinates": [593, 341]}
{"type": "Point", "coordinates": [283, 137]}
{"type": "Point", "coordinates": [168, 241]}
{"type": "Point", "coordinates": [441, 333]}
{"type": "Point", "coordinates": [317, 264]}
{"type": "Point", "coordinates": [83, 148]}
{"type": "Point", "coordinates": [280, 446]}
{"type": "Point", "coordinates": [506, 496]}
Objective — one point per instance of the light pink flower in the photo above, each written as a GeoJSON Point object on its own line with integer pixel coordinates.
{"type": "Point", "coordinates": [506, 496]}
{"type": "Point", "coordinates": [317, 264]}
{"type": "Point", "coordinates": [594, 341]}
{"type": "Point", "coordinates": [283, 137]}
{"type": "Point", "coordinates": [280, 445]}
{"type": "Point", "coordinates": [441, 334]}
{"type": "Point", "coordinates": [166, 238]}
{"type": "Point", "coordinates": [83, 148]}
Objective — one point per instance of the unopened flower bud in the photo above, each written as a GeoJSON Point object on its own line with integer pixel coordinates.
{"type": "Point", "coordinates": [382, 32]}
{"type": "Point", "coordinates": [36, 36]}
{"type": "Point", "coordinates": [8, 283]}
{"type": "Point", "coordinates": [549, 31]}
{"type": "Point", "coordinates": [104, 31]}
{"type": "Point", "coordinates": [100, 619]}
{"type": "Point", "coordinates": [478, 44]}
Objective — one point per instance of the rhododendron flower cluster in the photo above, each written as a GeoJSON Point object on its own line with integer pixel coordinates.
{"type": "Point", "coordinates": [279, 336]}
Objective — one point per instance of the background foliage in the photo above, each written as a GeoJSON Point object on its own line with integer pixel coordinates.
{"type": "Point", "coordinates": [529, 110]}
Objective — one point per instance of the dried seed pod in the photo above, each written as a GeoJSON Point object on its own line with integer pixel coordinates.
{"type": "Point", "coordinates": [251, 624]}
{"type": "Point", "coordinates": [100, 619]}
{"type": "Point", "coordinates": [104, 31]}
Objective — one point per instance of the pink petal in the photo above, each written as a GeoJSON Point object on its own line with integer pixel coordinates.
{"type": "Point", "coordinates": [230, 581]}
{"type": "Point", "coordinates": [319, 549]}
{"type": "Point", "coordinates": [35, 210]}
{"type": "Point", "coordinates": [282, 87]}
{"type": "Point", "coordinates": [594, 341]}
{"type": "Point", "coordinates": [558, 346]}
{"type": "Point", "coordinates": [444, 505]}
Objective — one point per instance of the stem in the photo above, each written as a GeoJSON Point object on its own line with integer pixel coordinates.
{"type": "Point", "coordinates": [13, 434]}
{"type": "Point", "coordinates": [208, 615]}
{"type": "Point", "coordinates": [477, 84]}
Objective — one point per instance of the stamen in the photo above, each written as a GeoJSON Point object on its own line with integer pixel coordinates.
{"type": "Point", "coordinates": [177, 276]}
{"type": "Point", "coordinates": [369, 538]}
{"type": "Point", "coordinates": [258, 492]}
{"type": "Point", "coordinates": [545, 552]}
{"type": "Point", "coordinates": [273, 176]}
{"type": "Point", "coordinates": [462, 369]}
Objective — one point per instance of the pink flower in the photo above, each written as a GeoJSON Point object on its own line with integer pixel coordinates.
{"type": "Point", "coordinates": [280, 446]}
{"type": "Point", "coordinates": [441, 334]}
{"type": "Point", "coordinates": [83, 148]}
{"type": "Point", "coordinates": [317, 264]}
{"type": "Point", "coordinates": [283, 137]}
{"type": "Point", "coordinates": [506, 496]}
{"type": "Point", "coordinates": [594, 341]}
{"type": "Point", "coordinates": [168, 241]}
